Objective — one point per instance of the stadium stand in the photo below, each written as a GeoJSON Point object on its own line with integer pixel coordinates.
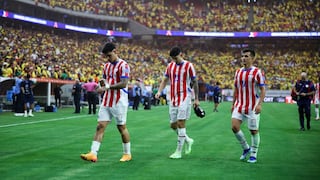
{"type": "Point", "coordinates": [69, 55]}
{"type": "Point", "coordinates": [206, 15]}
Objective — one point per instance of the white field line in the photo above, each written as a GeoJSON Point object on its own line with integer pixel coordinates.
{"type": "Point", "coordinates": [36, 122]}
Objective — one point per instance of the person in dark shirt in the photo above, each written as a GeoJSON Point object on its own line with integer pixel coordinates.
{"type": "Point", "coordinates": [216, 96]}
{"type": "Point", "coordinates": [136, 93]}
{"type": "Point", "coordinates": [57, 95]}
{"type": "Point", "coordinates": [305, 90]}
{"type": "Point", "coordinates": [76, 92]}
{"type": "Point", "coordinates": [27, 90]}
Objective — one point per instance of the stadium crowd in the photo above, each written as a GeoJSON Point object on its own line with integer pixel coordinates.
{"type": "Point", "coordinates": [206, 15]}
{"type": "Point", "coordinates": [71, 55]}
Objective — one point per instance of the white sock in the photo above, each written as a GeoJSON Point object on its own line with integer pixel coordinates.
{"type": "Point", "coordinates": [95, 147]}
{"type": "Point", "coordinates": [255, 141]}
{"type": "Point", "coordinates": [317, 112]}
{"type": "Point", "coordinates": [25, 112]}
{"type": "Point", "coordinates": [240, 136]}
{"type": "Point", "coordinates": [181, 138]}
{"type": "Point", "coordinates": [187, 137]}
{"type": "Point", "coordinates": [126, 148]}
{"type": "Point", "coordinates": [30, 111]}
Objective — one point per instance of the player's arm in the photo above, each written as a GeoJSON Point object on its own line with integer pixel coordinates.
{"type": "Point", "coordinates": [122, 84]}
{"type": "Point", "coordinates": [235, 95]}
{"type": "Point", "coordinates": [258, 108]}
{"type": "Point", "coordinates": [162, 86]}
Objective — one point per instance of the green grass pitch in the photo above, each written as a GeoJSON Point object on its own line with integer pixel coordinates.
{"type": "Point", "coordinates": [48, 146]}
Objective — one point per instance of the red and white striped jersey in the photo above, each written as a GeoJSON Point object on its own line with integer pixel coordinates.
{"type": "Point", "coordinates": [317, 95]}
{"type": "Point", "coordinates": [247, 83]}
{"type": "Point", "coordinates": [180, 76]}
{"type": "Point", "coordinates": [113, 73]}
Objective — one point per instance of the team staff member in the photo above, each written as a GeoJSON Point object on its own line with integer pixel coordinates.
{"type": "Point", "coordinates": [305, 90]}
{"type": "Point", "coordinates": [216, 96]}
{"type": "Point", "coordinates": [317, 99]}
{"type": "Point", "coordinates": [18, 101]}
{"type": "Point", "coordinates": [180, 74]}
{"type": "Point", "coordinates": [136, 93]}
{"type": "Point", "coordinates": [57, 95]}
{"type": "Point", "coordinates": [114, 103]}
{"type": "Point", "coordinates": [76, 92]}
{"type": "Point", "coordinates": [248, 95]}
{"type": "Point", "coordinates": [91, 87]}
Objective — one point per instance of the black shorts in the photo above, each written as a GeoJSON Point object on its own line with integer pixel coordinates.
{"type": "Point", "coordinates": [216, 99]}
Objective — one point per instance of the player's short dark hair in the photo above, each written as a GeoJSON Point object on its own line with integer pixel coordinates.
{"type": "Point", "coordinates": [28, 76]}
{"type": "Point", "coordinates": [175, 51]}
{"type": "Point", "coordinates": [252, 53]}
{"type": "Point", "coordinates": [108, 47]}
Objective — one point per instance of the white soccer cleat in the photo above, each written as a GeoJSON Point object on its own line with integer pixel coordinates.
{"type": "Point", "coordinates": [188, 147]}
{"type": "Point", "coordinates": [25, 115]}
{"type": "Point", "coordinates": [30, 114]}
{"type": "Point", "coordinates": [175, 155]}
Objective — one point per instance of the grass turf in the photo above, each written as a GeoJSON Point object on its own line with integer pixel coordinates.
{"type": "Point", "coordinates": [48, 146]}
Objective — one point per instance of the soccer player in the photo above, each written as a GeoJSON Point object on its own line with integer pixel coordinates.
{"type": "Point", "coordinates": [248, 95]}
{"type": "Point", "coordinates": [114, 103]}
{"type": "Point", "coordinates": [182, 77]}
{"type": "Point", "coordinates": [317, 99]}
{"type": "Point", "coordinates": [305, 90]}
{"type": "Point", "coordinates": [27, 90]}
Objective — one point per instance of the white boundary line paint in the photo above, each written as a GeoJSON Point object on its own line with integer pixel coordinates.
{"type": "Point", "coordinates": [36, 122]}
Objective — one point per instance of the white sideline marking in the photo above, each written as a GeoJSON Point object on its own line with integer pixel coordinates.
{"type": "Point", "coordinates": [41, 121]}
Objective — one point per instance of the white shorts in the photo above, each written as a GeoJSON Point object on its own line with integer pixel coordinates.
{"type": "Point", "coordinates": [119, 112]}
{"type": "Point", "coordinates": [252, 117]}
{"type": "Point", "coordinates": [181, 112]}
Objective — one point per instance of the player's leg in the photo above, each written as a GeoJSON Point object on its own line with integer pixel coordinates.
{"type": "Point", "coordinates": [103, 121]}
{"type": "Point", "coordinates": [125, 136]}
{"type": "Point", "coordinates": [95, 145]}
{"type": "Point", "coordinates": [181, 139]}
{"type": "Point", "coordinates": [253, 125]}
{"type": "Point", "coordinates": [236, 122]}
{"type": "Point", "coordinates": [189, 141]}
{"type": "Point", "coordinates": [316, 109]}
{"type": "Point", "coordinates": [180, 115]}
{"type": "Point", "coordinates": [120, 114]}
